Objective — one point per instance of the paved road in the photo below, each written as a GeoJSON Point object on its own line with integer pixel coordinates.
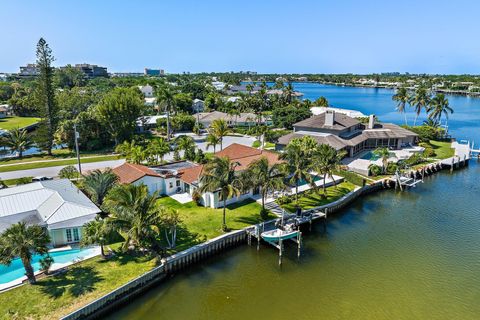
{"type": "Point", "coordinates": [53, 171]}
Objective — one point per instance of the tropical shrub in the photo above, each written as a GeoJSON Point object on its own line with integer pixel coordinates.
{"type": "Point", "coordinates": [392, 168]}
{"type": "Point", "coordinates": [375, 170]}
{"type": "Point", "coordinates": [429, 152]}
{"type": "Point", "coordinates": [46, 263]}
{"type": "Point", "coordinates": [426, 133]}
{"type": "Point", "coordinates": [264, 213]}
{"type": "Point", "coordinates": [69, 172]}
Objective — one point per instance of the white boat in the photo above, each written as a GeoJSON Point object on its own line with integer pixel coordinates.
{"type": "Point", "coordinates": [279, 234]}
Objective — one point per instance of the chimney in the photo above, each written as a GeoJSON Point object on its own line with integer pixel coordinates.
{"type": "Point", "coordinates": [329, 118]}
{"type": "Point", "coordinates": [371, 121]}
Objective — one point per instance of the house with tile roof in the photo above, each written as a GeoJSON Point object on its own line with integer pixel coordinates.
{"type": "Point", "coordinates": [57, 205]}
{"type": "Point", "coordinates": [343, 132]}
{"type": "Point", "coordinates": [184, 176]}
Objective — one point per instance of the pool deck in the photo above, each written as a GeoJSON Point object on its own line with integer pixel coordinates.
{"type": "Point", "coordinates": [55, 266]}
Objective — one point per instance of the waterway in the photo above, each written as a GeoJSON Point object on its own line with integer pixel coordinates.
{"type": "Point", "coordinates": [390, 255]}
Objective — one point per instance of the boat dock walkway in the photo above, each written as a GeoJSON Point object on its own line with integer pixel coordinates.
{"type": "Point", "coordinates": [287, 221]}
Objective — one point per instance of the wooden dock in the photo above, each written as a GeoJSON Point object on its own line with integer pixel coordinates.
{"type": "Point", "coordinates": [293, 221]}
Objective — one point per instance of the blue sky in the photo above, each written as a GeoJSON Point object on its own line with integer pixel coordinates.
{"type": "Point", "coordinates": [265, 36]}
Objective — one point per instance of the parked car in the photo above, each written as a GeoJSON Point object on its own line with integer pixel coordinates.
{"type": "Point", "coordinates": [41, 178]}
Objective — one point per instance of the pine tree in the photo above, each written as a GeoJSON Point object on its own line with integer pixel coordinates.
{"type": "Point", "coordinates": [45, 97]}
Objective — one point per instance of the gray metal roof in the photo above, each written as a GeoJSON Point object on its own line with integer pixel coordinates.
{"type": "Point", "coordinates": [46, 202]}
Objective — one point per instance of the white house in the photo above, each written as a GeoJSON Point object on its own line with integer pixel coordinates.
{"type": "Point", "coordinates": [146, 90]}
{"type": "Point", "coordinates": [184, 176]}
{"type": "Point", "coordinates": [57, 205]}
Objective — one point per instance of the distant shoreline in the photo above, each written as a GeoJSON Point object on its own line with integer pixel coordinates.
{"type": "Point", "coordinates": [448, 92]}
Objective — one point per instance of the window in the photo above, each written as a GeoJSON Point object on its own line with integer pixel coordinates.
{"type": "Point", "coordinates": [76, 235]}
{"type": "Point", "coordinates": [178, 183]}
{"type": "Point", "coordinates": [68, 233]}
{"type": "Point", "coordinates": [170, 185]}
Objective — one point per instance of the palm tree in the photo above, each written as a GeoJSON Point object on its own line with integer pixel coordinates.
{"type": "Point", "coordinates": [326, 161]}
{"type": "Point", "coordinates": [298, 156]}
{"type": "Point", "coordinates": [158, 148]}
{"type": "Point", "coordinates": [322, 102]}
{"type": "Point", "coordinates": [135, 215]}
{"type": "Point", "coordinates": [384, 154]}
{"type": "Point", "coordinates": [95, 232]}
{"type": "Point", "coordinates": [288, 93]}
{"type": "Point", "coordinates": [420, 100]}
{"type": "Point", "coordinates": [265, 176]}
{"type": "Point", "coordinates": [23, 241]}
{"type": "Point", "coordinates": [402, 98]}
{"type": "Point", "coordinates": [219, 175]}
{"type": "Point", "coordinates": [220, 129]}
{"type": "Point", "coordinates": [187, 144]}
{"type": "Point", "coordinates": [432, 123]}
{"type": "Point", "coordinates": [17, 140]}
{"type": "Point", "coordinates": [212, 141]}
{"type": "Point", "coordinates": [439, 106]}
{"type": "Point", "coordinates": [166, 96]}
{"type": "Point", "coordinates": [98, 183]}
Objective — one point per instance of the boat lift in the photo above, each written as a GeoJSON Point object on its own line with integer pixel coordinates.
{"type": "Point", "coordinates": [407, 182]}
{"type": "Point", "coordinates": [276, 232]}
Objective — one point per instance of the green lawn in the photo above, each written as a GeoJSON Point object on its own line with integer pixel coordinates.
{"type": "Point", "coordinates": [59, 295]}
{"type": "Point", "coordinates": [200, 223]}
{"type": "Point", "coordinates": [45, 164]}
{"type": "Point", "coordinates": [314, 199]}
{"type": "Point", "coordinates": [9, 123]}
{"type": "Point", "coordinates": [442, 149]}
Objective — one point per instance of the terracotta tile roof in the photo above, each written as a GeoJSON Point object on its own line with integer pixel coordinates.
{"type": "Point", "coordinates": [235, 152]}
{"type": "Point", "coordinates": [190, 175]}
{"type": "Point", "coordinates": [246, 155]}
{"type": "Point", "coordinates": [129, 172]}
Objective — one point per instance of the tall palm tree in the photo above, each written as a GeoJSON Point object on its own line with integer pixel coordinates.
{"type": "Point", "coordinates": [384, 154]}
{"type": "Point", "coordinates": [298, 156]}
{"type": "Point", "coordinates": [17, 140]}
{"type": "Point", "coordinates": [219, 175]}
{"type": "Point", "coordinates": [265, 176]}
{"type": "Point", "coordinates": [420, 100]}
{"type": "Point", "coordinates": [212, 141]}
{"type": "Point", "coordinates": [158, 148]}
{"type": "Point", "coordinates": [439, 106]}
{"type": "Point", "coordinates": [135, 215]}
{"type": "Point", "coordinates": [98, 183]}
{"type": "Point", "coordinates": [95, 232]}
{"type": "Point", "coordinates": [402, 98]}
{"type": "Point", "coordinates": [166, 96]}
{"type": "Point", "coordinates": [23, 241]}
{"type": "Point", "coordinates": [219, 128]}
{"type": "Point", "coordinates": [326, 161]}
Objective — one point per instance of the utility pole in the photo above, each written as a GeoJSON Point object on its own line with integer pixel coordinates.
{"type": "Point", "coordinates": [76, 147]}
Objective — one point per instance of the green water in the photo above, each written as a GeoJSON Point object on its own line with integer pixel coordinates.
{"type": "Point", "coordinates": [391, 255]}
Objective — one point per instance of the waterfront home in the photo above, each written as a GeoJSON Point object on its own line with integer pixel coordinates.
{"type": "Point", "coordinates": [147, 91]}
{"type": "Point", "coordinates": [244, 119]}
{"type": "Point", "coordinates": [57, 205]}
{"type": "Point", "coordinates": [351, 113]}
{"type": "Point", "coordinates": [346, 133]}
{"type": "Point", "coordinates": [181, 179]}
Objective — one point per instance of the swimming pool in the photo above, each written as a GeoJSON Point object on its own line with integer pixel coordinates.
{"type": "Point", "coordinates": [15, 270]}
{"type": "Point", "coordinates": [370, 155]}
